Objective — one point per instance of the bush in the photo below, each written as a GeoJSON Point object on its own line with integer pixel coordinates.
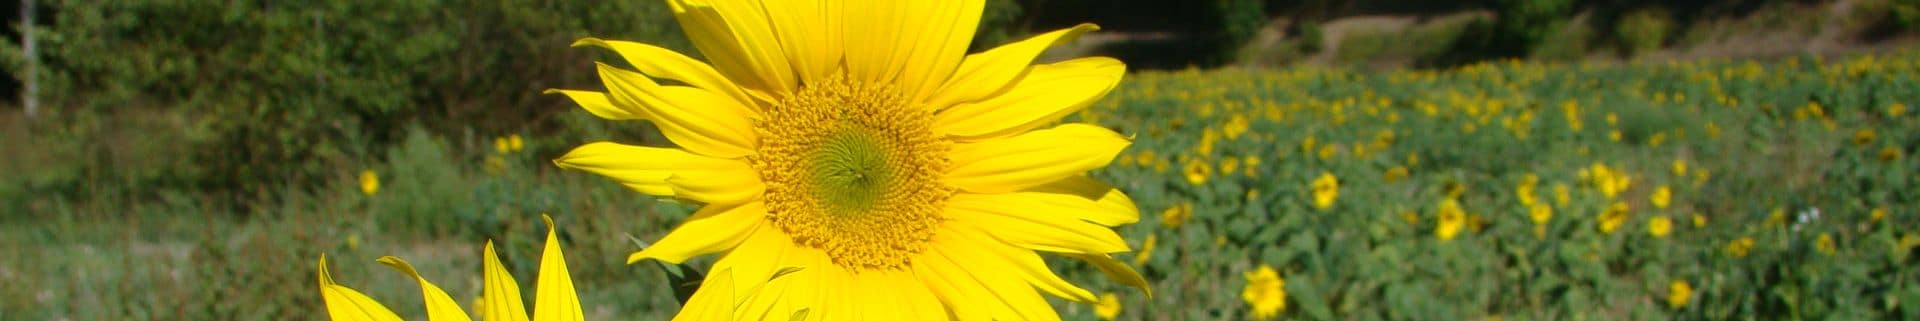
{"type": "Point", "coordinates": [1643, 30]}
{"type": "Point", "coordinates": [1521, 24]}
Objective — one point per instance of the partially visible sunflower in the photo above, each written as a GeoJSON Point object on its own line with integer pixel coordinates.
{"type": "Point", "coordinates": [555, 299]}
{"type": "Point", "coordinates": [859, 141]}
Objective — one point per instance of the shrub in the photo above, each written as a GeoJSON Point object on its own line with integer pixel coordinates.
{"type": "Point", "coordinates": [1643, 30]}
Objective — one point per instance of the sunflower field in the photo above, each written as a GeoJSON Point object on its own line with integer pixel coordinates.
{"type": "Point", "coordinates": [1686, 190]}
{"type": "Point", "coordinates": [1712, 189]}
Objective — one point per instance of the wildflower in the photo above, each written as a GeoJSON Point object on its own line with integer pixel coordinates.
{"type": "Point", "coordinates": [369, 183]}
{"type": "Point", "coordinates": [1328, 151]}
{"type": "Point", "coordinates": [1863, 136]}
{"type": "Point", "coordinates": [1251, 164]}
{"type": "Point", "coordinates": [1739, 248]}
{"type": "Point", "coordinates": [1699, 221]}
{"type": "Point", "coordinates": [1172, 217]}
{"type": "Point", "coordinates": [1450, 219]}
{"type": "Point", "coordinates": [1108, 307]}
{"type": "Point", "coordinates": [1613, 217]}
{"type": "Point", "coordinates": [1659, 226]}
{"type": "Point", "coordinates": [1146, 250]}
{"type": "Point", "coordinates": [1824, 244]}
{"type": "Point", "coordinates": [1680, 167]}
{"type": "Point", "coordinates": [861, 143]}
{"type": "Point", "coordinates": [1878, 213]}
{"type": "Point", "coordinates": [1325, 190]}
{"type": "Point", "coordinates": [1662, 196]}
{"type": "Point", "coordinates": [1889, 153]}
{"type": "Point", "coordinates": [1395, 174]}
{"type": "Point", "coordinates": [515, 143]}
{"type": "Point", "coordinates": [500, 145]}
{"type": "Point", "coordinates": [1198, 172]}
{"type": "Point", "coordinates": [1540, 213]}
{"type": "Point", "coordinates": [1895, 110]}
{"type": "Point", "coordinates": [1678, 293]}
{"type": "Point", "coordinates": [1265, 293]}
{"type": "Point", "coordinates": [1525, 190]}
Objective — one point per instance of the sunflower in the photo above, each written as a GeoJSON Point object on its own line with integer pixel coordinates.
{"type": "Point", "coordinates": [858, 140]}
{"type": "Point", "coordinates": [555, 299]}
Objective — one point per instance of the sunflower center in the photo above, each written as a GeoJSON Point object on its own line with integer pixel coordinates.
{"type": "Point", "coordinates": [853, 170]}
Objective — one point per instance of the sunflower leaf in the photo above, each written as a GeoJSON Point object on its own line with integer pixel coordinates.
{"type": "Point", "coordinates": [685, 279]}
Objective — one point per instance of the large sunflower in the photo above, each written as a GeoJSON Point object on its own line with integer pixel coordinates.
{"type": "Point", "coordinates": [857, 141]}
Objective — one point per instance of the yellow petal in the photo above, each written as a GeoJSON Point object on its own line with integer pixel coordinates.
{"type": "Point", "coordinates": [596, 103]}
{"type": "Point", "coordinates": [1013, 163]}
{"type": "Point", "coordinates": [731, 187]}
{"type": "Point", "coordinates": [1039, 231]}
{"type": "Point", "coordinates": [1008, 296]}
{"type": "Point", "coordinates": [714, 228]}
{"type": "Point", "coordinates": [1045, 94]}
{"type": "Point", "coordinates": [1020, 261]}
{"type": "Point", "coordinates": [440, 307]}
{"type": "Point", "coordinates": [501, 292]}
{"type": "Point", "coordinates": [811, 34]}
{"type": "Point", "coordinates": [985, 73]}
{"type": "Point", "coordinates": [1116, 270]}
{"type": "Point", "coordinates": [895, 295]}
{"type": "Point", "coordinates": [554, 298]}
{"type": "Point", "coordinates": [735, 36]}
{"type": "Point", "coordinates": [714, 300]}
{"type": "Point", "coordinates": [654, 170]}
{"type": "Point", "coordinates": [345, 304]}
{"type": "Point", "coordinates": [914, 44]}
{"type": "Point", "coordinates": [664, 63]}
{"type": "Point", "coordinates": [1077, 197]}
{"type": "Point", "coordinates": [701, 121]}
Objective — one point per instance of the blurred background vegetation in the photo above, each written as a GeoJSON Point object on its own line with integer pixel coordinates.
{"type": "Point", "coordinates": [201, 147]}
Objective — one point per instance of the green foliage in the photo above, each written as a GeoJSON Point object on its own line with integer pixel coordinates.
{"type": "Point", "coordinates": [1905, 13]}
{"type": "Point", "coordinates": [288, 92]}
{"type": "Point", "coordinates": [1521, 24]}
{"type": "Point", "coordinates": [1643, 30]}
{"type": "Point", "coordinates": [1239, 21]}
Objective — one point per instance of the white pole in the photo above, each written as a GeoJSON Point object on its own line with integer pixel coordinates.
{"type": "Point", "coordinates": [28, 97]}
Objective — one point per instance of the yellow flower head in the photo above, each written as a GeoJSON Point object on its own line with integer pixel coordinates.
{"type": "Point", "coordinates": [1613, 217]}
{"type": "Point", "coordinates": [1825, 245]}
{"type": "Point", "coordinates": [515, 143]}
{"type": "Point", "coordinates": [1229, 165]}
{"type": "Point", "coordinates": [1265, 293]}
{"type": "Point", "coordinates": [369, 183]}
{"type": "Point", "coordinates": [1174, 216]}
{"type": "Point", "coordinates": [861, 142]}
{"type": "Point", "coordinates": [1198, 171]}
{"type": "Point", "coordinates": [1540, 213]}
{"type": "Point", "coordinates": [1889, 153]}
{"type": "Point", "coordinates": [1662, 196]}
{"type": "Point", "coordinates": [1878, 214]}
{"type": "Point", "coordinates": [1740, 247]}
{"type": "Point", "coordinates": [1450, 219]}
{"type": "Point", "coordinates": [1699, 221]}
{"type": "Point", "coordinates": [1678, 293]}
{"type": "Point", "coordinates": [1680, 168]}
{"type": "Point", "coordinates": [1863, 136]}
{"type": "Point", "coordinates": [1896, 110]}
{"type": "Point", "coordinates": [1108, 307]}
{"type": "Point", "coordinates": [500, 145]}
{"type": "Point", "coordinates": [1395, 174]}
{"type": "Point", "coordinates": [1146, 250]}
{"type": "Point", "coordinates": [1326, 189]}
{"type": "Point", "coordinates": [1659, 226]}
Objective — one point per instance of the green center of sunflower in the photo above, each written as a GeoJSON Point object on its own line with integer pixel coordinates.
{"type": "Point", "coordinates": [853, 171]}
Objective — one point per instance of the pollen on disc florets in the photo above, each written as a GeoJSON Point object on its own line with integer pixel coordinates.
{"type": "Point", "coordinates": [854, 170]}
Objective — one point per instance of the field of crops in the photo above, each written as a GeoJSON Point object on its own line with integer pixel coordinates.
{"type": "Point", "coordinates": [1698, 190]}
{"type": "Point", "coordinates": [1693, 190]}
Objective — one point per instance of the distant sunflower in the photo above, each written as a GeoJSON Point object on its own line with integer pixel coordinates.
{"type": "Point", "coordinates": [858, 141]}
